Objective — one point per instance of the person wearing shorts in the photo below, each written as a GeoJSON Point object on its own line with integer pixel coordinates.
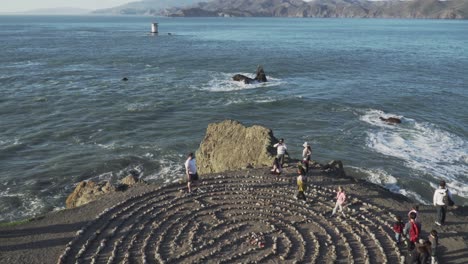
{"type": "Point", "coordinates": [191, 172]}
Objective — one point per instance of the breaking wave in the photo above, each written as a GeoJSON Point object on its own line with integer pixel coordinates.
{"type": "Point", "coordinates": [423, 147]}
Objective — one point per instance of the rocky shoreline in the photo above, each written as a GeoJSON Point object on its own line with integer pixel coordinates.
{"type": "Point", "coordinates": [161, 224]}
{"type": "Point", "coordinates": [241, 213]}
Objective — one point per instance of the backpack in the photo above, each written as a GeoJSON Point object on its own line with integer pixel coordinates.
{"type": "Point", "coordinates": [446, 199]}
{"type": "Point", "coordinates": [414, 232]}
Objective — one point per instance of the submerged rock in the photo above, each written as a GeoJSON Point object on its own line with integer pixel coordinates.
{"type": "Point", "coordinates": [391, 120]}
{"type": "Point", "coordinates": [229, 145]}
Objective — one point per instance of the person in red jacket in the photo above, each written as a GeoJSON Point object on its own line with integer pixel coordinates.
{"type": "Point", "coordinates": [398, 229]}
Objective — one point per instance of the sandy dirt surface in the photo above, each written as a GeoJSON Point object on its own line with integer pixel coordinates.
{"type": "Point", "coordinates": [244, 216]}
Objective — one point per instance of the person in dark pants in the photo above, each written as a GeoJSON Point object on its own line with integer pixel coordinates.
{"type": "Point", "coordinates": [306, 153]}
{"type": "Point", "coordinates": [441, 198]}
{"type": "Point", "coordinates": [191, 172]}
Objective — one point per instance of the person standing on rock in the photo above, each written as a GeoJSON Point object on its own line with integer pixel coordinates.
{"type": "Point", "coordinates": [442, 199]}
{"type": "Point", "coordinates": [281, 150]}
{"type": "Point", "coordinates": [340, 200]}
{"type": "Point", "coordinates": [191, 171]}
{"type": "Point", "coordinates": [306, 153]}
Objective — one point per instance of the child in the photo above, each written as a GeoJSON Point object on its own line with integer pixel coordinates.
{"type": "Point", "coordinates": [414, 209]}
{"type": "Point", "coordinates": [340, 200]}
{"type": "Point", "coordinates": [412, 231]}
{"type": "Point", "coordinates": [301, 183]}
{"type": "Point", "coordinates": [276, 167]}
{"type": "Point", "coordinates": [398, 229]}
{"type": "Point", "coordinates": [434, 239]}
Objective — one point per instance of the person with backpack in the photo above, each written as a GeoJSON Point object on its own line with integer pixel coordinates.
{"type": "Point", "coordinates": [398, 229]}
{"type": "Point", "coordinates": [442, 199]}
{"type": "Point", "coordinates": [412, 231]}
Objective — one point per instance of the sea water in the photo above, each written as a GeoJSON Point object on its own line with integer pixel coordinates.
{"type": "Point", "coordinates": [66, 116]}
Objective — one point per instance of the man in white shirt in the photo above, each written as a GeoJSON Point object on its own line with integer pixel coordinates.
{"type": "Point", "coordinates": [281, 150]}
{"type": "Point", "coordinates": [191, 171]}
{"type": "Point", "coordinates": [441, 195]}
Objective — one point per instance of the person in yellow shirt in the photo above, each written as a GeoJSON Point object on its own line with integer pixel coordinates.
{"type": "Point", "coordinates": [301, 183]}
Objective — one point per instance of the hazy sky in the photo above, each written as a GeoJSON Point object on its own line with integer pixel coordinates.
{"type": "Point", "coordinates": [24, 5]}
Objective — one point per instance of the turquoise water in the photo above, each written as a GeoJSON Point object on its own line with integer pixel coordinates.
{"type": "Point", "coordinates": [66, 116]}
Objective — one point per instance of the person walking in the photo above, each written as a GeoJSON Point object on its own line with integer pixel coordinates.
{"type": "Point", "coordinates": [306, 154]}
{"type": "Point", "coordinates": [340, 200]}
{"type": "Point", "coordinates": [191, 172]}
{"type": "Point", "coordinates": [281, 150]}
{"type": "Point", "coordinates": [442, 199]}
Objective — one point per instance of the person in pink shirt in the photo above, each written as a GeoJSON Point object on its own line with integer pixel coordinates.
{"type": "Point", "coordinates": [340, 200]}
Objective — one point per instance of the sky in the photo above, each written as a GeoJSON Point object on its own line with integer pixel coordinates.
{"type": "Point", "coordinates": [25, 5]}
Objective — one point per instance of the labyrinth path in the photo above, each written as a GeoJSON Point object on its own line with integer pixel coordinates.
{"type": "Point", "coordinates": [220, 224]}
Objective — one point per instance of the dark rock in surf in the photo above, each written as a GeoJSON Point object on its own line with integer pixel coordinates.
{"type": "Point", "coordinates": [260, 76]}
{"type": "Point", "coordinates": [391, 120]}
{"type": "Point", "coordinates": [124, 79]}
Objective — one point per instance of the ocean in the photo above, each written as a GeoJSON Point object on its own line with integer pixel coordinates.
{"type": "Point", "coordinates": [66, 116]}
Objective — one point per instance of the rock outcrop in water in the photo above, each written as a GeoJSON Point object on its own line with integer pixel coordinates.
{"type": "Point", "coordinates": [260, 76]}
{"type": "Point", "coordinates": [88, 191]}
{"type": "Point", "coordinates": [229, 146]}
{"type": "Point", "coordinates": [391, 120]}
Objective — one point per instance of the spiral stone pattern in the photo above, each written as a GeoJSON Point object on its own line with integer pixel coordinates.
{"type": "Point", "coordinates": [215, 225]}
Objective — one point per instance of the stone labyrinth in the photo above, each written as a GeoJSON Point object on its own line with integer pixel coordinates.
{"type": "Point", "coordinates": [235, 219]}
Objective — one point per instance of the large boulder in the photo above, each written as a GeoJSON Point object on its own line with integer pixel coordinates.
{"type": "Point", "coordinates": [88, 191]}
{"type": "Point", "coordinates": [229, 145]}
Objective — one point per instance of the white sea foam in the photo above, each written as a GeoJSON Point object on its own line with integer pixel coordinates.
{"type": "Point", "coordinates": [222, 82]}
{"type": "Point", "coordinates": [29, 206]}
{"type": "Point", "coordinates": [386, 180]}
{"type": "Point", "coordinates": [424, 147]}
{"type": "Point", "coordinates": [8, 143]}
{"type": "Point", "coordinates": [21, 65]}
{"type": "Point", "coordinates": [137, 107]}
{"type": "Point", "coordinates": [110, 146]}
{"type": "Point", "coordinates": [170, 171]}
{"type": "Point", "coordinates": [261, 100]}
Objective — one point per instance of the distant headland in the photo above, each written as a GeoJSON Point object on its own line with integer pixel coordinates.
{"type": "Point", "coordinates": [419, 9]}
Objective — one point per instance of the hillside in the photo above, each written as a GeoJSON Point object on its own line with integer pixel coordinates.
{"type": "Point", "coordinates": [435, 9]}
{"type": "Point", "coordinates": [145, 7]}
